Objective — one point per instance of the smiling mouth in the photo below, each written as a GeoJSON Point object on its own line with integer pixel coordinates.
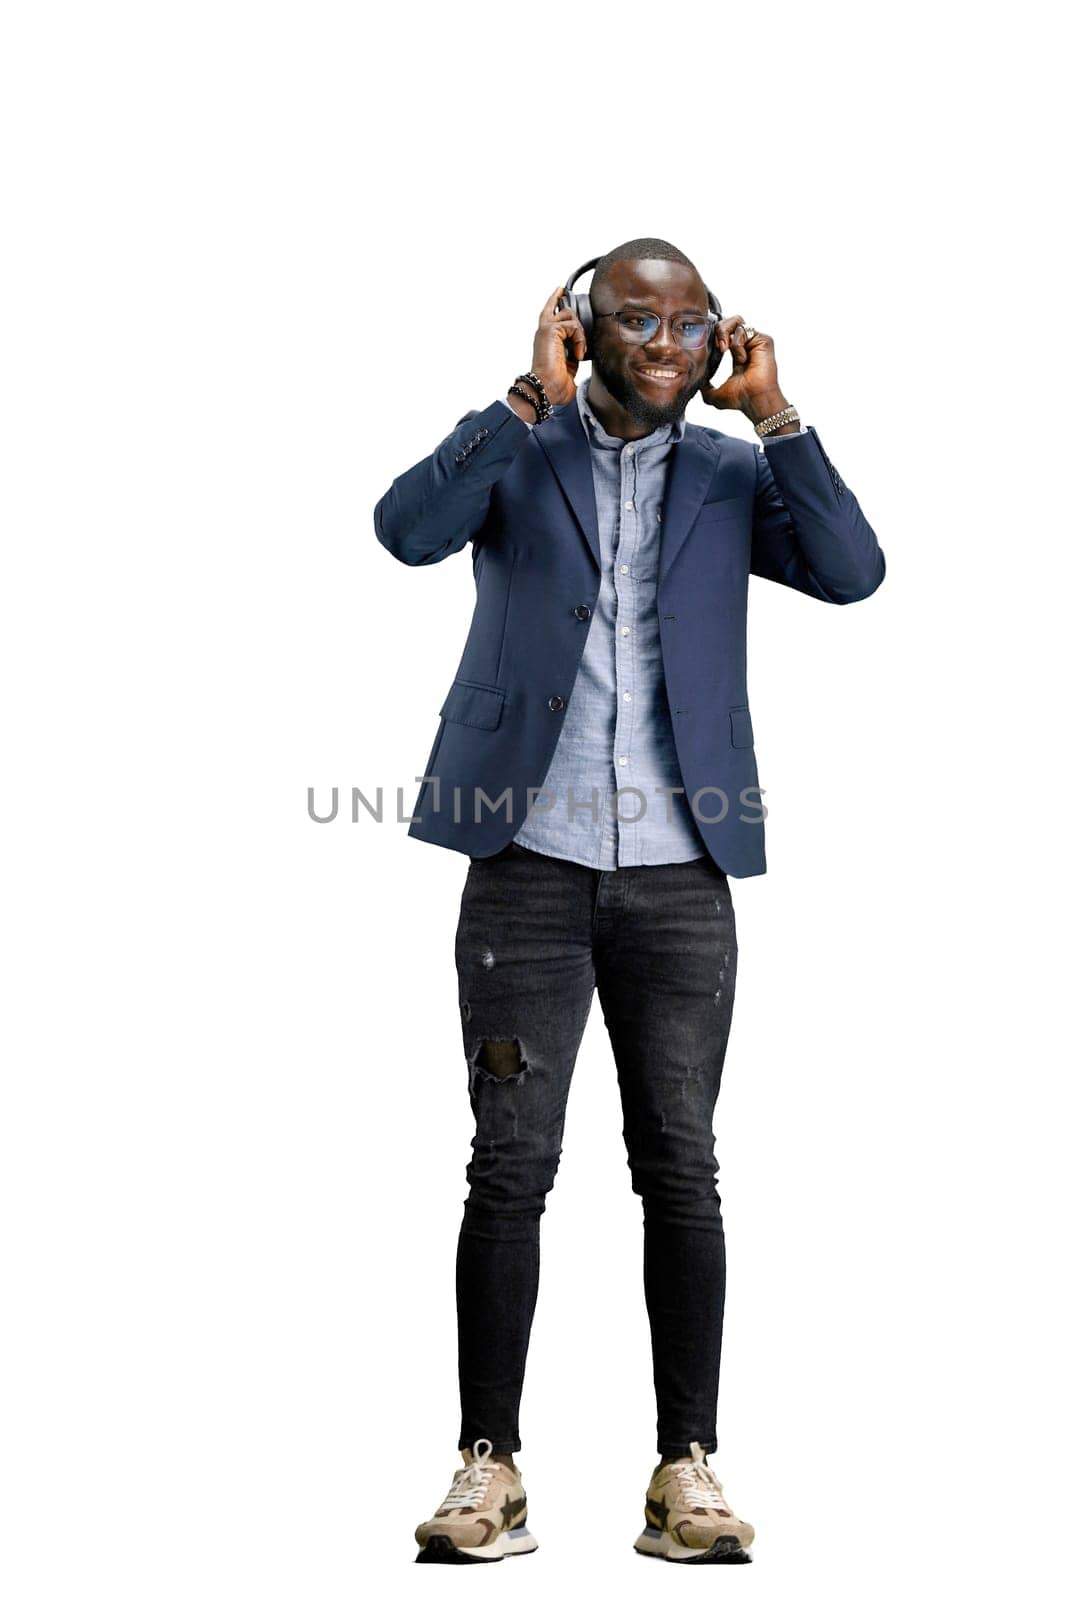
{"type": "Point", "coordinates": [663, 376]}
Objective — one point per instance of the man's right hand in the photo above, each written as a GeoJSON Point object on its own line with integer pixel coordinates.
{"type": "Point", "coordinates": [550, 362]}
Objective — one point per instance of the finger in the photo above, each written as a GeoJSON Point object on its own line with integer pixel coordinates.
{"type": "Point", "coordinates": [713, 396]}
{"type": "Point", "coordinates": [724, 328]}
{"type": "Point", "coordinates": [565, 327]}
{"type": "Point", "coordinates": [577, 351]}
{"type": "Point", "coordinates": [551, 303]}
{"type": "Point", "coordinates": [738, 349]}
{"type": "Point", "coordinates": [569, 325]}
{"type": "Point", "coordinates": [730, 336]}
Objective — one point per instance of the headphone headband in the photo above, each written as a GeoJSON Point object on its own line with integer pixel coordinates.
{"type": "Point", "coordinates": [580, 273]}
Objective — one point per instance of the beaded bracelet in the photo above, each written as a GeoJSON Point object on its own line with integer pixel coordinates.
{"type": "Point", "coordinates": [532, 378]}
{"type": "Point", "coordinates": [539, 402]}
{"type": "Point", "coordinates": [771, 424]}
{"type": "Point", "coordinates": [546, 404]}
{"type": "Point", "coordinates": [531, 400]}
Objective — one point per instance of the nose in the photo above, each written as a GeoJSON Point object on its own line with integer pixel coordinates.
{"type": "Point", "coordinates": [663, 339]}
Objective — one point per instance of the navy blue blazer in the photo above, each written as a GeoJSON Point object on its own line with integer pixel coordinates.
{"type": "Point", "coordinates": [523, 499]}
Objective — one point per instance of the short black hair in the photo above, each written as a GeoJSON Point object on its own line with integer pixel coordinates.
{"type": "Point", "coordinates": [638, 250]}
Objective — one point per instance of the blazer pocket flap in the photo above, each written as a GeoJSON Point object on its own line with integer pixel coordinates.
{"type": "Point", "coordinates": [740, 728]}
{"type": "Point", "coordinates": [476, 705]}
{"type": "Point", "coordinates": [736, 505]}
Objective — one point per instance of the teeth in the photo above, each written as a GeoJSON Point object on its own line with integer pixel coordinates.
{"type": "Point", "coordinates": [658, 372]}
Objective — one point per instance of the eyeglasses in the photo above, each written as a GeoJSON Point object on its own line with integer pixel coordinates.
{"type": "Point", "coordinates": [638, 327]}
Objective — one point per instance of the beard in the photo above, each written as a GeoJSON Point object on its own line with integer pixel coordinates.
{"type": "Point", "coordinates": [637, 405]}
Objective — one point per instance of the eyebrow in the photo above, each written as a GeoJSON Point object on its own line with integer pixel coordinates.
{"type": "Point", "coordinates": [686, 311]}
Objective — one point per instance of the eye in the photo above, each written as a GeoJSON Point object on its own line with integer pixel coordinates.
{"type": "Point", "coordinates": [633, 319]}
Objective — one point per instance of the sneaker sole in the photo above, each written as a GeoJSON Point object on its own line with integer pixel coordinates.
{"type": "Point", "coordinates": [516, 1542]}
{"type": "Point", "coordinates": [726, 1551]}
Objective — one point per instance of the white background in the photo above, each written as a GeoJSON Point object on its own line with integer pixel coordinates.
{"type": "Point", "coordinates": [259, 260]}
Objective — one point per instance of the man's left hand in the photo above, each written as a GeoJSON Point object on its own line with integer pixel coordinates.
{"type": "Point", "coordinates": [752, 386]}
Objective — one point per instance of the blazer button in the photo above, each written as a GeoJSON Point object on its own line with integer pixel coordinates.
{"type": "Point", "coordinates": [583, 613]}
{"type": "Point", "coordinates": [556, 703]}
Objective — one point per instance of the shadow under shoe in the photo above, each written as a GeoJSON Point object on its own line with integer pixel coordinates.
{"type": "Point", "coordinates": [483, 1515]}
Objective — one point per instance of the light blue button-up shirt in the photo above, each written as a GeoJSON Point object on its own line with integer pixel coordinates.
{"type": "Point", "coordinates": [613, 795]}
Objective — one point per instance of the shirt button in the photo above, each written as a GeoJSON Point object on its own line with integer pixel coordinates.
{"type": "Point", "coordinates": [659, 516]}
{"type": "Point", "coordinates": [627, 695]}
{"type": "Point", "coordinates": [625, 631]}
{"type": "Point", "coordinates": [629, 505]}
{"type": "Point", "coordinates": [623, 760]}
{"type": "Point", "coordinates": [624, 568]}
{"type": "Point", "coordinates": [629, 449]}
{"type": "Point", "coordinates": [556, 703]}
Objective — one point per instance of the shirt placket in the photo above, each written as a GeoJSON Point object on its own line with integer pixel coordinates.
{"type": "Point", "coordinates": [626, 649]}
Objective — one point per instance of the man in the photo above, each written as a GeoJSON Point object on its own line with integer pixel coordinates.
{"type": "Point", "coordinates": [602, 679]}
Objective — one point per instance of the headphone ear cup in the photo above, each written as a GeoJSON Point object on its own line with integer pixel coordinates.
{"type": "Point", "coordinates": [579, 304]}
{"type": "Point", "coordinates": [714, 356]}
{"type": "Point", "coordinates": [584, 309]}
{"type": "Point", "coordinates": [567, 303]}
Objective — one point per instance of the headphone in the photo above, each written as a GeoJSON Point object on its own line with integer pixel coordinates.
{"type": "Point", "coordinates": [582, 307]}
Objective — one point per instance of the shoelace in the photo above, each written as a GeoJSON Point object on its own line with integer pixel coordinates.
{"type": "Point", "coordinates": [700, 1486]}
{"type": "Point", "coordinates": [471, 1482]}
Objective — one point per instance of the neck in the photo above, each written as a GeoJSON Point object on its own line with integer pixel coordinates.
{"type": "Point", "coordinates": [613, 417]}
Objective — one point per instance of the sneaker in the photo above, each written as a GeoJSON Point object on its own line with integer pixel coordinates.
{"type": "Point", "coordinates": [483, 1515]}
{"type": "Point", "coordinates": [687, 1518]}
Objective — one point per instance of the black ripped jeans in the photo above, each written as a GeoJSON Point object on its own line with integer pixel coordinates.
{"type": "Point", "coordinates": [536, 935]}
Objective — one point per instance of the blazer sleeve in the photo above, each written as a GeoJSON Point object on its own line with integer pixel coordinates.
{"type": "Point", "coordinates": [808, 530]}
{"type": "Point", "coordinates": [438, 505]}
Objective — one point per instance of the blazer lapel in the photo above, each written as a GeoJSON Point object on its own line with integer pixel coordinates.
{"type": "Point", "coordinates": [691, 473]}
{"type": "Point", "coordinates": [562, 438]}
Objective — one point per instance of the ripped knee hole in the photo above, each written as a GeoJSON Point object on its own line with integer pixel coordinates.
{"type": "Point", "coordinates": [500, 1057]}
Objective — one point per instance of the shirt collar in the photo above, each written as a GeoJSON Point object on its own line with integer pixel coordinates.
{"type": "Point", "coordinates": [669, 432]}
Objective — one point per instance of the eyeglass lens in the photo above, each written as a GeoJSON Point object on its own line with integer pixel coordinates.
{"type": "Point", "coordinates": [638, 327]}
